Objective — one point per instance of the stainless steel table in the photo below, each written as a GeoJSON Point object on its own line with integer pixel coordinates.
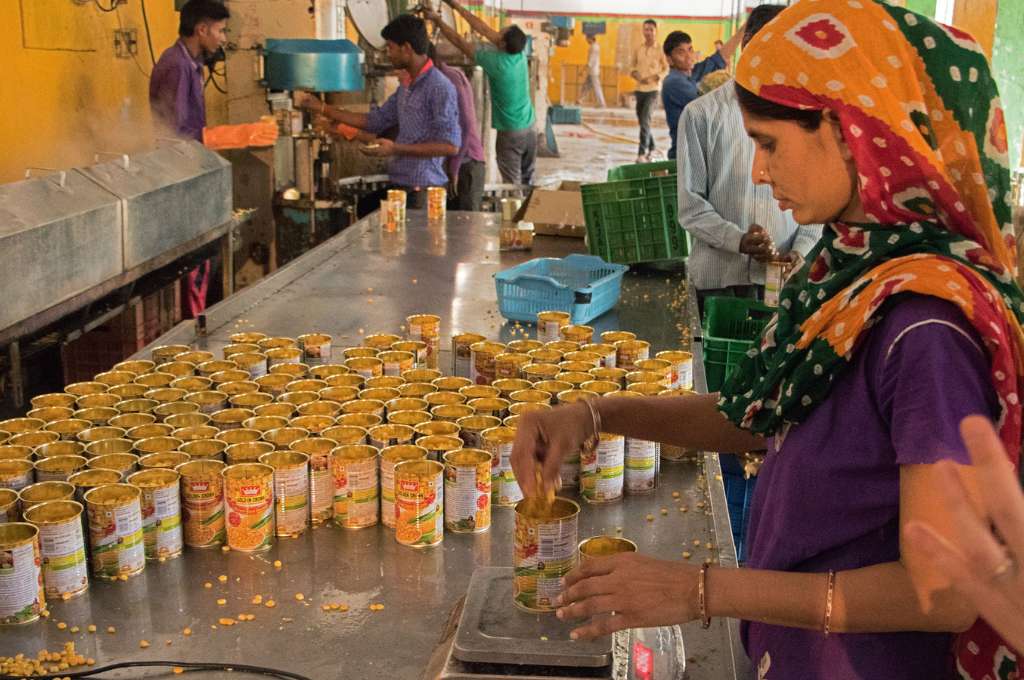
{"type": "Point", "coordinates": [365, 281]}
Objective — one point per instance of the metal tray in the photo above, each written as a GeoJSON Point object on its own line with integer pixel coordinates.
{"type": "Point", "coordinates": [493, 630]}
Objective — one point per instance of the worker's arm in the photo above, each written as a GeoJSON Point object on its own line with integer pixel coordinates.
{"type": "Point", "coordinates": [476, 23]}
{"type": "Point", "coordinates": [733, 43]}
{"type": "Point", "coordinates": [309, 102]}
{"type": "Point", "coordinates": [443, 132]}
{"type": "Point", "coordinates": [451, 34]}
{"type": "Point", "coordinates": [634, 68]}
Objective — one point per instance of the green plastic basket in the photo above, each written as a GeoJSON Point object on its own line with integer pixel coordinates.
{"type": "Point", "coordinates": [642, 170]}
{"type": "Point", "coordinates": [634, 220]}
{"type": "Point", "coordinates": [731, 325]}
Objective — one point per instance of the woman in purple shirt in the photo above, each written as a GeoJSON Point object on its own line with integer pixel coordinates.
{"type": "Point", "coordinates": [886, 127]}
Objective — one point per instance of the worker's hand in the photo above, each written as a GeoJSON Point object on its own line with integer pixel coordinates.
{"type": "Point", "coordinates": [795, 259]}
{"type": "Point", "coordinates": [629, 591]}
{"type": "Point", "coordinates": [982, 564]}
{"type": "Point", "coordinates": [305, 100]}
{"type": "Point", "coordinates": [325, 126]}
{"type": "Point", "coordinates": [429, 14]}
{"type": "Point", "coordinates": [757, 243]}
{"type": "Point", "coordinates": [382, 147]}
{"type": "Point", "coordinates": [545, 438]}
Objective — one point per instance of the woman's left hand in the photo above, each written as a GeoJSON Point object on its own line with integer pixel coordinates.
{"type": "Point", "coordinates": [629, 591]}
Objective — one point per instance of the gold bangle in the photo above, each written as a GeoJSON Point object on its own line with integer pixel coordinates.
{"type": "Point", "coordinates": [829, 593]}
{"type": "Point", "coordinates": [702, 600]}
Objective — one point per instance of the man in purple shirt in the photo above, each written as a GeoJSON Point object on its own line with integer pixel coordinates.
{"type": "Point", "coordinates": [176, 85]}
{"type": "Point", "coordinates": [424, 109]}
{"type": "Point", "coordinates": [467, 170]}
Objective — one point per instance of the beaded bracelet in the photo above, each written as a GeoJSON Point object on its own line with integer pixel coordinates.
{"type": "Point", "coordinates": [829, 593]}
{"type": "Point", "coordinates": [702, 601]}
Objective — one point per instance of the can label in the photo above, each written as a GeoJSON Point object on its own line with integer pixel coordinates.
{"type": "Point", "coordinates": [355, 493]}
{"type": "Point", "coordinates": [17, 480]}
{"type": "Point", "coordinates": [570, 472]}
{"type": "Point", "coordinates": [601, 470]}
{"type": "Point", "coordinates": [627, 358]}
{"type": "Point", "coordinates": [321, 488]}
{"type": "Point", "coordinates": [545, 551]}
{"type": "Point", "coordinates": [642, 458]}
{"type": "Point", "coordinates": [291, 500]}
{"type": "Point", "coordinates": [549, 330]}
{"type": "Point", "coordinates": [21, 583]}
{"type": "Point", "coordinates": [65, 572]}
{"type": "Point", "coordinates": [505, 489]}
{"type": "Point", "coordinates": [161, 521]}
{"type": "Point", "coordinates": [462, 360]}
{"type": "Point", "coordinates": [482, 368]}
{"type": "Point", "coordinates": [427, 331]}
{"type": "Point", "coordinates": [115, 539]}
{"type": "Point", "coordinates": [249, 505]}
{"type": "Point", "coordinates": [396, 367]}
{"type": "Point", "coordinates": [316, 353]}
{"type": "Point", "coordinates": [467, 497]}
{"type": "Point", "coordinates": [419, 514]}
{"type": "Point", "coordinates": [203, 511]}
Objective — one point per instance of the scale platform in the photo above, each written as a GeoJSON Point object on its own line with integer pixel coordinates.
{"type": "Point", "coordinates": [496, 640]}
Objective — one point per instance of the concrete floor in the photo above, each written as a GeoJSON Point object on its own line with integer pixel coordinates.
{"type": "Point", "coordinates": [586, 156]}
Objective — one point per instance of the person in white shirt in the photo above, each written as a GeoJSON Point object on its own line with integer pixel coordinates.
{"type": "Point", "coordinates": [593, 81]}
{"type": "Point", "coordinates": [735, 226]}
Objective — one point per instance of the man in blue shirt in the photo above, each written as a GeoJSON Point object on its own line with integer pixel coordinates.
{"type": "Point", "coordinates": [680, 86]}
{"type": "Point", "coordinates": [424, 109]}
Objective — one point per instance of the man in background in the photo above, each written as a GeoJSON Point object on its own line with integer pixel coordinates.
{"type": "Point", "coordinates": [508, 74]}
{"type": "Point", "coordinates": [647, 69]}
{"type": "Point", "coordinates": [681, 84]}
{"type": "Point", "coordinates": [736, 226]}
{"type": "Point", "coordinates": [593, 81]}
{"type": "Point", "coordinates": [176, 84]}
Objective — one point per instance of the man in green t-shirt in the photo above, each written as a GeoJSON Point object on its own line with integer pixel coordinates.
{"type": "Point", "coordinates": [508, 74]}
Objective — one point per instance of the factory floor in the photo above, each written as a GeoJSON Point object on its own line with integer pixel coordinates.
{"type": "Point", "coordinates": [607, 138]}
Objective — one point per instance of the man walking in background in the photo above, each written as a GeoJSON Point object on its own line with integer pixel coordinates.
{"type": "Point", "coordinates": [512, 113]}
{"type": "Point", "coordinates": [648, 68]}
{"type": "Point", "coordinates": [593, 81]}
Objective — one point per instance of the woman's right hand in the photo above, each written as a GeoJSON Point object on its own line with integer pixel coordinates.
{"type": "Point", "coordinates": [545, 438]}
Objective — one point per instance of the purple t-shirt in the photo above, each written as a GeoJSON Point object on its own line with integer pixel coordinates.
{"type": "Point", "coordinates": [829, 498]}
{"type": "Point", "coordinates": [176, 93]}
{"type": "Point", "coordinates": [472, 148]}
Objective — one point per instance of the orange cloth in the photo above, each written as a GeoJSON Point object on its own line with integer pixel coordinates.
{"type": "Point", "coordinates": [263, 133]}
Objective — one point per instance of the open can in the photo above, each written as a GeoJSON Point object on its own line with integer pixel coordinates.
{"type": "Point", "coordinates": [604, 546]}
{"type": "Point", "coordinates": [467, 491]}
{"type": "Point", "coordinates": [426, 328]}
{"type": "Point", "coordinates": [601, 469]}
{"type": "Point", "coordinates": [202, 500]}
{"type": "Point", "coordinates": [498, 442]}
{"type": "Point", "coordinates": [321, 478]}
{"type": "Point", "coordinates": [44, 492]}
{"type": "Point", "coordinates": [545, 551]}
{"type": "Point", "coordinates": [115, 531]}
{"type": "Point", "coordinates": [249, 506]}
{"type": "Point", "coordinates": [8, 506]}
{"type": "Point", "coordinates": [16, 474]}
{"type": "Point", "coordinates": [549, 325]}
{"type": "Point", "coordinates": [419, 503]}
{"type": "Point", "coordinates": [62, 544]}
{"type": "Point", "coordinates": [22, 598]}
{"type": "Point", "coordinates": [291, 491]}
{"type": "Point", "coordinates": [389, 458]}
{"type": "Point", "coordinates": [161, 512]}
{"type": "Point", "coordinates": [355, 486]}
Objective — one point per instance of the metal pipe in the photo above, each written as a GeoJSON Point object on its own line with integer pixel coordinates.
{"type": "Point", "coordinates": [325, 17]}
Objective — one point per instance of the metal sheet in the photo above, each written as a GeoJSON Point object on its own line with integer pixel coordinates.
{"type": "Point", "coordinates": [370, 17]}
{"type": "Point", "coordinates": [57, 240]}
{"type": "Point", "coordinates": [170, 196]}
{"type": "Point", "coordinates": [316, 65]}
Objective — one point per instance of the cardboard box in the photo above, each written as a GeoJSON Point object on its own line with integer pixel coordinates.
{"type": "Point", "coordinates": [556, 211]}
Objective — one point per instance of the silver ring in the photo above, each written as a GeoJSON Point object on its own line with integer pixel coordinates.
{"type": "Point", "coordinates": [1002, 569]}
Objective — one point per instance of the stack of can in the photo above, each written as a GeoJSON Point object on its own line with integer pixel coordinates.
{"type": "Point", "coordinates": [437, 203]}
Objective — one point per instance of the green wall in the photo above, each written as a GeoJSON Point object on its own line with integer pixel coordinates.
{"type": "Point", "coordinates": [926, 7]}
{"type": "Point", "coordinates": [1007, 57]}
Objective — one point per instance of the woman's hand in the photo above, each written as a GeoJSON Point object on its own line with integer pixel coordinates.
{"type": "Point", "coordinates": [629, 591]}
{"type": "Point", "coordinates": [979, 565]}
{"type": "Point", "coordinates": [545, 438]}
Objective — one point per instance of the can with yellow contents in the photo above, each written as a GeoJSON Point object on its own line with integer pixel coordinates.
{"type": "Point", "coordinates": [355, 486]}
{"type": "Point", "coordinates": [498, 441]}
{"type": "Point", "coordinates": [601, 469]}
{"type": "Point", "coordinates": [545, 551]}
{"type": "Point", "coordinates": [426, 328]}
{"type": "Point", "coordinates": [291, 491]}
{"type": "Point", "coordinates": [549, 325]}
{"type": "Point", "coordinates": [202, 496]}
{"type": "Point", "coordinates": [321, 478]}
{"type": "Point", "coordinates": [419, 503]}
{"type": "Point", "coordinates": [115, 531]}
{"type": "Point", "coordinates": [389, 458]}
{"type": "Point", "coordinates": [249, 506]}
{"type": "Point", "coordinates": [62, 547]}
{"type": "Point", "coordinates": [161, 512]}
{"type": "Point", "coordinates": [467, 491]}
{"type": "Point", "coordinates": [21, 580]}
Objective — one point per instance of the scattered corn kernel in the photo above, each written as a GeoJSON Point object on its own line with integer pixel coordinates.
{"type": "Point", "coordinates": [342, 607]}
{"type": "Point", "coordinates": [111, 630]}
{"type": "Point", "coordinates": [61, 625]}
{"type": "Point", "coordinates": [75, 629]}
{"type": "Point", "coordinates": [696, 542]}
{"type": "Point", "coordinates": [687, 554]}
{"type": "Point", "coordinates": [650, 518]}
{"type": "Point", "coordinates": [300, 597]}
{"type": "Point", "coordinates": [222, 578]}
{"type": "Point", "coordinates": [178, 670]}
{"type": "Point", "coordinates": [186, 632]}
{"type": "Point", "coordinates": [325, 607]}
{"type": "Point", "coordinates": [277, 564]}
{"type": "Point", "coordinates": [664, 511]}
{"type": "Point", "coordinates": [257, 599]}
{"type": "Point", "coordinates": [225, 548]}
{"type": "Point", "coordinates": [683, 508]}
{"type": "Point", "coordinates": [143, 644]}
{"type": "Point", "coordinates": [123, 577]}
{"type": "Point", "coordinates": [226, 622]}
{"type": "Point", "coordinates": [221, 601]}
{"type": "Point", "coordinates": [675, 494]}
{"type": "Point", "coordinates": [91, 628]}
{"type": "Point", "coordinates": [709, 545]}
{"type": "Point", "coordinates": [207, 585]}
{"type": "Point", "coordinates": [270, 604]}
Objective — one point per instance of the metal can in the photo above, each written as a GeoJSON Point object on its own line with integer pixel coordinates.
{"type": "Point", "coordinates": [482, 367]}
{"type": "Point", "coordinates": [234, 348]}
{"type": "Point", "coordinates": [250, 400]}
{"type": "Point", "coordinates": [480, 392]}
{"type": "Point", "coordinates": [384, 436]}
{"type": "Point", "coordinates": [488, 406]}
{"type": "Point", "coordinates": [275, 410]}
{"type": "Point", "coordinates": [249, 506]}
{"type": "Point", "coordinates": [321, 478]}
{"type": "Point", "coordinates": [255, 364]}
{"type": "Point", "coordinates": [115, 531]}
{"type": "Point", "coordinates": [284, 355]}
{"type": "Point", "coordinates": [521, 407]}
{"type": "Point", "coordinates": [68, 429]}
{"type": "Point", "coordinates": [451, 383]}
{"type": "Point", "coordinates": [380, 341]}
{"type": "Point", "coordinates": [601, 387]}
{"type": "Point", "coordinates": [363, 420]}
{"type": "Point", "coordinates": [575, 395]}
{"type": "Point", "coordinates": [437, 203]}
{"type": "Point", "coordinates": [160, 444]}
{"type": "Point", "coordinates": [524, 346]}
{"type": "Point", "coordinates": [416, 390]}
{"type": "Point", "coordinates": [86, 480]}
{"type": "Point", "coordinates": [438, 445]}
{"type": "Point", "coordinates": [122, 463]}
{"type": "Point", "coordinates": [79, 389]}
{"type": "Point", "coordinates": [356, 481]}
{"type": "Point", "coordinates": [545, 355]}
{"type": "Point", "coordinates": [240, 436]}
{"type": "Point", "coordinates": [102, 400]}
{"type": "Point", "coordinates": [193, 383]}
{"type": "Point", "coordinates": [612, 337]}
{"type": "Point", "coordinates": [147, 431]}
{"type": "Point", "coordinates": [647, 389]}
{"type": "Point", "coordinates": [389, 458]}
{"type": "Point", "coordinates": [132, 394]}
{"type": "Point", "coordinates": [396, 363]}
{"type": "Point", "coordinates": [389, 382]}
{"type": "Point", "coordinates": [204, 449]}
{"type": "Point", "coordinates": [381, 394]}
{"type": "Point", "coordinates": [604, 546]}
{"type": "Point", "coordinates": [209, 401]}
{"type": "Point", "coordinates": [529, 396]}
{"type": "Point", "coordinates": [339, 395]}
{"type": "Point", "coordinates": [550, 324]}
{"type": "Point", "coordinates": [42, 492]}
{"type": "Point", "coordinates": [575, 378]}
{"type": "Point", "coordinates": [8, 506]}
{"type": "Point", "coordinates": [22, 598]}
{"type": "Point", "coordinates": [48, 414]}
{"type": "Point", "coordinates": [165, 353]}
{"type": "Point", "coordinates": [265, 423]}
{"type": "Point", "coordinates": [331, 409]}
{"type": "Point", "coordinates": [506, 387]}
{"type": "Point", "coordinates": [509, 365]}
{"type": "Point", "coordinates": [209, 368]}
{"type": "Point", "coordinates": [398, 200]}
{"type": "Point", "coordinates": [165, 460]}
{"type": "Point", "coordinates": [179, 369]}
{"type": "Point", "coordinates": [418, 374]}
{"type": "Point", "coordinates": [344, 435]}
{"type": "Point", "coordinates": [291, 491]}
{"type": "Point", "coordinates": [406, 404]}
{"type": "Point", "coordinates": [541, 372]}
{"type": "Point", "coordinates": [16, 474]}
{"type": "Point", "coordinates": [61, 399]}
{"type": "Point", "coordinates": [316, 348]}
{"type": "Point", "coordinates": [360, 352]}
{"type": "Point", "coordinates": [545, 551]}
{"type": "Point", "coordinates": [601, 469]}
{"type": "Point", "coordinates": [444, 399]}
{"type": "Point", "coordinates": [419, 503]}
{"type": "Point", "coordinates": [10, 452]}
{"type": "Point", "coordinates": [273, 384]}
{"type": "Point", "coordinates": [313, 424]}
{"type": "Point", "coordinates": [451, 412]}
{"type": "Point", "coordinates": [293, 370]}
{"type": "Point", "coordinates": [156, 381]}
{"type": "Point", "coordinates": [247, 337]}
{"type": "Point", "coordinates": [552, 387]}
{"type": "Point", "coordinates": [113, 378]}
{"type": "Point", "coordinates": [681, 374]}
{"type": "Point", "coordinates": [202, 501]}
{"type": "Point", "coordinates": [247, 452]}
{"type": "Point", "coordinates": [467, 491]}
{"type": "Point", "coordinates": [582, 335]}
{"type": "Point", "coordinates": [367, 367]}
{"type": "Point", "coordinates": [607, 353]}
{"type": "Point", "coordinates": [427, 329]}
{"type": "Point", "coordinates": [283, 437]}
{"type": "Point", "coordinates": [437, 428]}
{"type": "Point", "coordinates": [58, 448]}
{"type": "Point", "coordinates": [276, 343]}
{"type": "Point", "coordinates": [615, 375]}
{"type": "Point", "coordinates": [629, 352]}
{"type": "Point", "coordinates": [471, 429]}
{"type": "Point", "coordinates": [59, 468]}
{"type": "Point", "coordinates": [327, 370]}
{"type": "Point", "coordinates": [161, 512]}
{"type": "Point", "coordinates": [498, 441]}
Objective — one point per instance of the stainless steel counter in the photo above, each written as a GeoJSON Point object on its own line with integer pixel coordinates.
{"type": "Point", "coordinates": [365, 281]}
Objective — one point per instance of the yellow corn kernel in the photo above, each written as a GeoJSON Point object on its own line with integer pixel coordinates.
{"type": "Point", "coordinates": [143, 644]}
{"type": "Point", "coordinates": [222, 578]}
{"type": "Point", "coordinates": [221, 601]}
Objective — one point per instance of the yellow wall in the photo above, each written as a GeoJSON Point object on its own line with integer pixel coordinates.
{"type": "Point", "coordinates": [978, 17]}
{"type": "Point", "coordinates": [66, 94]}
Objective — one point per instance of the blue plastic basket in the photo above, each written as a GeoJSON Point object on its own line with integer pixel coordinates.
{"type": "Point", "coordinates": [582, 285]}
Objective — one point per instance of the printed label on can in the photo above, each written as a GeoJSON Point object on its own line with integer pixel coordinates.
{"type": "Point", "coordinates": [65, 571]}
{"type": "Point", "coordinates": [467, 497]}
{"type": "Point", "coordinates": [355, 493]}
{"type": "Point", "coordinates": [684, 375]}
{"type": "Point", "coordinates": [115, 539]}
{"type": "Point", "coordinates": [203, 511]}
{"type": "Point", "coordinates": [641, 473]}
{"type": "Point", "coordinates": [462, 361]}
{"type": "Point", "coordinates": [419, 514]}
{"type": "Point", "coordinates": [548, 331]}
{"type": "Point", "coordinates": [321, 488]}
{"type": "Point", "coordinates": [570, 472]}
{"type": "Point", "coordinates": [291, 500]}
{"type": "Point", "coordinates": [161, 521]}
{"type": "Point", "coordinates": [21, 594]}
{"type": "Point", "coordinates": [481, 369]}
{"type": "Point", "coordinates": [601, 470]}
{"type": "Point", "coordinates": [505, 489]}
{"type": "Point", "coordinates": [387, 492]}
{"type": "Point", "coordinates": [249, 506]}
{"type": "Point", "coordinates": [545, 551]}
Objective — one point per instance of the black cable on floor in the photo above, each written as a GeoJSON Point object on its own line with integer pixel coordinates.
{"type": "Point", "coordinates": [193, 666]}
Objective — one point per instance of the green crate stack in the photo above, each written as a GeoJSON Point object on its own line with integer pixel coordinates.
{"type": "Point", "coordinates": [731, 325]}
{"type": "Point", "coordinates": [642, 170]}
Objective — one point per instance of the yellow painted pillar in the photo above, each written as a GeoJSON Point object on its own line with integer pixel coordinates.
{"type": "Point", "coordinates": [978, 17]}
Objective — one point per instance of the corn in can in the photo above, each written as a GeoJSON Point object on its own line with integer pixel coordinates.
{"type": "Point", "coordinates": [462, 355]}
{"type": "Point", "coordinates": [43, 492]}
{"type": "Point", "coordinates": [545, 551]}
{"type": "Point", "coordinates": [22, 599]}
{"type": "Point", "coordinates": [480, 392]}
{"type": "Point", "coordinates": [427, 329]}
{"type": "Point", "coordinates": [61, 399]}
{"type": "Point", "coordinates": [367, 367]}
{"type": "Point", "coordinates": [389, 458]}
{"type": "Point", "coordinates": [122, 463]}
{"type": "Point", "coordinates": [16, 474]}
{"type": "Point", "coordinates": [59, 468]}
{"type": "Point", "coordinates": [355, 486]}
{"type": "Point", "coordinates": [643, 460]}
{"type": "Point", "coordinates": [549, 325]}
{"type": "Point", "coordinates": [437, 203]}
{"type": "Point", "coordinates": [601, 469]}
{"type": "Point", "coordinates": [536, 373]}
{"type": "Point", "coordinates": [437, 428]}
{"type": "Point", "coordinates": [202, 495]}
{"type": "Point", "coordinates": [8, 506]}
{"type": "Point", "coordinates": [508, 386]}
{"type": "Point", "coordinates": [438, 445]}
{"type": "Point", "coordinates": [249, 506]}
{"type": "Point", "coordinates": [62, 547]}
{"type": "Point", "coordinates": [604, 546]}
{"type": "Point", "coordinates": [574, 333]}
{"type": "Point", "coordinates": [291, 491]}
{"type": "Point", "coordinates": [59, 448]}
{"type": "Point", "coordinates": [482, 366]}
{"type": "Point", "coordinates": [316, 348]}
{"type": "Point", "coordinates": [383, 436]}
{"type": "Point", "coordinates": [396, 363]}
{"type": "Point", "coordinates": [398, 200]}
{"type": "Point", "coordinates": [471, 429]}
{"type": "Point", "coordinates": [682, 368]}
{"type": "Point", "coordinates": [161, 512]}
{"type": "Point", "coordinates": [206, 449]}
{"type": "Point", "coordinates": [50, 414]}
{"type": "Point", "coordinates": [419, 503]}
{"type": "Point", "coordinates": [321, 478]}
{"type": "Point", "coordinates": [242, 435]}
{"type": "Point", "coordinates": [115, 531]}
{"type": "Point", "coordinates": [247, 452]}
{"type": "Point", "coordinates": [419, 371]}
{"type": "Point", "coordinates": [605, 351]}
{"type": "Point", "coordinates": [467, 491]}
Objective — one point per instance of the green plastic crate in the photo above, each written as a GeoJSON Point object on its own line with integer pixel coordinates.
{"type": "Point", "coordinates": [731, 325]}
{"type": "Point", "coordinates": [635, 220]}
{"type": "Point", "coordinates": [642, 170]}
